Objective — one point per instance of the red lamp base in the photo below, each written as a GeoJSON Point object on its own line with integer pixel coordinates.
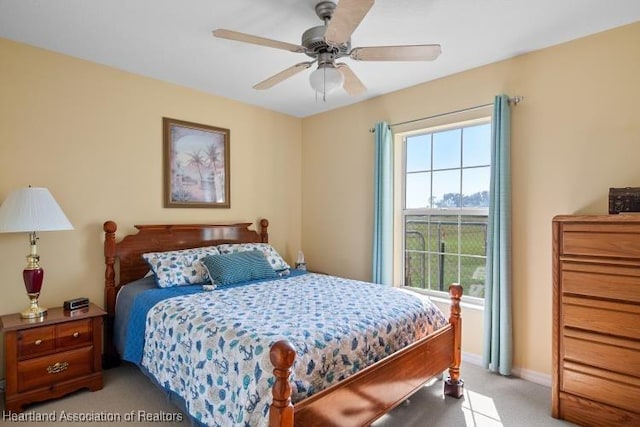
{"type": "Point", "coordinates": [33, 276]}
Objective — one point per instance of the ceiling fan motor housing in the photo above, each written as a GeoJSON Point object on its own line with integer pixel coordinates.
{"type": "Point", "coordinates": [314, 43]}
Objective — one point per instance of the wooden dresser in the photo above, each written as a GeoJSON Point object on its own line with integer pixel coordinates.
{"type": "Point", "coordinates": [52, 356]}
{"type": "Point", "coordinates": [596, 319]}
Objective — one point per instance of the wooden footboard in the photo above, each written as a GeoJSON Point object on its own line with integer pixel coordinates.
{"type": "Point", "coordinates": [372, 392]}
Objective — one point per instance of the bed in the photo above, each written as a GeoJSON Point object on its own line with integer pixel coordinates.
{"type": "Point", "coordinates": [353, 399]}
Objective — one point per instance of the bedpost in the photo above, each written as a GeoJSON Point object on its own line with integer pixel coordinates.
{"type": "Point", "coordinates": [110, 357]}
{"type": "Point", "coordinates": [282, 355]}
{"type": "Point", "coordinates": [454, 386]}
{"type": "Point", "coordinates": [264, 235]}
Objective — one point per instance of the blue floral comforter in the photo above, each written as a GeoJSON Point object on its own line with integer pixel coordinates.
{"type": "Point", "coordinates": [212, 348]}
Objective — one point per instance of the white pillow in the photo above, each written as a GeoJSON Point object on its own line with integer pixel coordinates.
{"type": "Point", "coordinates": [181, 267]}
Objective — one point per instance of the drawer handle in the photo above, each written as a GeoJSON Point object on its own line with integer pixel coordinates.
{"type": "Point", "coordinates": [76, 334]}
{"type": "Point", "coordinates": [38, 342]}
{"type": "Point", "coordinates": [57, 367]}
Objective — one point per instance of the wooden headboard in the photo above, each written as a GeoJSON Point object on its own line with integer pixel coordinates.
{"type": "Point", "coordinates": [124, 262]}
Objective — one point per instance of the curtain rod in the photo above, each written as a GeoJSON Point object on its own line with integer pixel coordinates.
{"type": "Point", "coordinates": [514, 100]}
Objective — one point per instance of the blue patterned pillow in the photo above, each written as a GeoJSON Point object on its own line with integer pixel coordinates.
{"type": "Point", "coordinates": [182, 267]}
{"type": "Point", "coordinates": [273, 257]}
{"type": "Point", "coordinates": [237, 267]}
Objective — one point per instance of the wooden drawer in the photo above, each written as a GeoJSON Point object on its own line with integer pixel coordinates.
{"type": "Point", "coordinates": [585, 412]}
{"type": "Point", "coordinates": [612, 240]}
{"type": "Point", "coordinates": [598, 280]}
{"type": "Point", "coordinates": [36, 341]}
{"type": "Point", "coordinates": [601, 351]}
{"type": "Point", "coordinates": [74, 334]}
{"type": "Point", "coordinates": [616, 390]}
{"type": "Point", "coordinates": [47, 370]}
{"type": "Point", "coordinates": [604, 317]}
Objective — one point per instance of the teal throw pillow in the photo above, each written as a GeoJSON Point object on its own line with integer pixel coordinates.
{"type": "Point", "coordinates": [273, 257]}
{"type": "Point", "coordinates": [227, 269]}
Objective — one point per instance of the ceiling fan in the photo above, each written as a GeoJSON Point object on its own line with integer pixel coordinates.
{"type": "Point", "coordinates": [331, 41]}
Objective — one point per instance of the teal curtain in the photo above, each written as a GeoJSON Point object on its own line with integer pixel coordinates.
{"type": "Point", "coordinates": [497, 355]}
{"type": "Point", "coordinates": [383, 206]}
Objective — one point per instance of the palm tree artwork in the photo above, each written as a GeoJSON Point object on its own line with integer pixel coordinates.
{"type": "Point", "coordinates": [197, 164]}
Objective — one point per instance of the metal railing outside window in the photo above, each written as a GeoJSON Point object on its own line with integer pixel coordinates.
{"type": "Point", "coordinates": [440, 250]}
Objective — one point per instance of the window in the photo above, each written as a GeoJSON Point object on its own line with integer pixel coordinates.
{"type": "Point", "coordinates": [446, 203]}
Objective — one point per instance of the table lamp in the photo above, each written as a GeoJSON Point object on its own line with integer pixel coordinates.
{"type": "Point", "coordinates": [31, 210]}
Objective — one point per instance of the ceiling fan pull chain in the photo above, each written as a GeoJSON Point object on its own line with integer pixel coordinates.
{"type": "Point", "coordinates": [324, 84]}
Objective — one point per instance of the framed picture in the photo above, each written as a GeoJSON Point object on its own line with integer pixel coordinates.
{"type": "Point", "coordinates": [196, 165]}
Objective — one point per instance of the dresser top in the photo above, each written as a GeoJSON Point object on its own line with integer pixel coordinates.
{"type": "Point", "coordinates": [13, 322]}
{"type": "Point", "coordinates": [633, 217]}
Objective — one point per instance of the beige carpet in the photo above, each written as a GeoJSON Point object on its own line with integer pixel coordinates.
{"type": "Point", "coordinates": [489, 400]}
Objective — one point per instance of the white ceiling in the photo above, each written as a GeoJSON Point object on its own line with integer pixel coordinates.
{"type": "Point", "coordinates": [171, 40]}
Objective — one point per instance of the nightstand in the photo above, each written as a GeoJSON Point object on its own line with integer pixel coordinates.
{"type": "Point", "coordinates": [52, 356]}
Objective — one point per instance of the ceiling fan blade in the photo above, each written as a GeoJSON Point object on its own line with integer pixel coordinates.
{"type": "Point", "coordinates": [283, 75]}
{"type": "Point", "coordinates": [420, 52]}
{"type": "Point", "coordinates": [345, 20]}
{"type": "Point", "coordinates": [248, 38]}
{"type": "Point", "coordinates": [352, 84]}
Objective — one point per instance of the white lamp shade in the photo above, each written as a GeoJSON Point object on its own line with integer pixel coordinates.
{"type": "Point", "coordinates": [325, 79]}
{"type": "Point", "coordinates": [32, 209]}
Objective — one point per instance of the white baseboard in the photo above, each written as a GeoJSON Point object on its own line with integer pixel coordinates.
{"type": "Point", "coordinates": [474, 359]}
{"type": "Point", "coordinates": [525, 374]}
{"type": "Point", "coordinates": [532, 376]}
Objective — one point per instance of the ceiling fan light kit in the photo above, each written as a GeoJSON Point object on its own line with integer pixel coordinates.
{"type": "Point", "coordinates": [325, 79]}
{"type": "Point", "coordinates": [331, 41]}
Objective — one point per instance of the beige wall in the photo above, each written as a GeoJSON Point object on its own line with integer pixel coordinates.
{"type": "Point", "coordinates": [576, 134]}
{"type": "Point", "coordinates": [93, 136]}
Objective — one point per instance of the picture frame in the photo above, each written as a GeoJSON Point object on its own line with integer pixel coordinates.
{"type": "Point", "coordinates": [196, 165]}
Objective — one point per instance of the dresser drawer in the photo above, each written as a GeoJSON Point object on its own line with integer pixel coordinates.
{"type": "Point", "coordinates": [616, 390]}
{"type": "Point", "coordinates": [600, 351]}
{"type": "Point", "coordinates": [616, 241]}
{"type": "Point", "coordinates": [601, 280]}
{"type": "Point", "coordinates": [36, 341]}
{"type": "Point", "coordinates": [584, 412]}
{"type": "Point", "coordinates": [604, 317]}
{"type": "Point", "coordinates": [73, 334]}
{"type": "Point", "coordinates": [46, 370]}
